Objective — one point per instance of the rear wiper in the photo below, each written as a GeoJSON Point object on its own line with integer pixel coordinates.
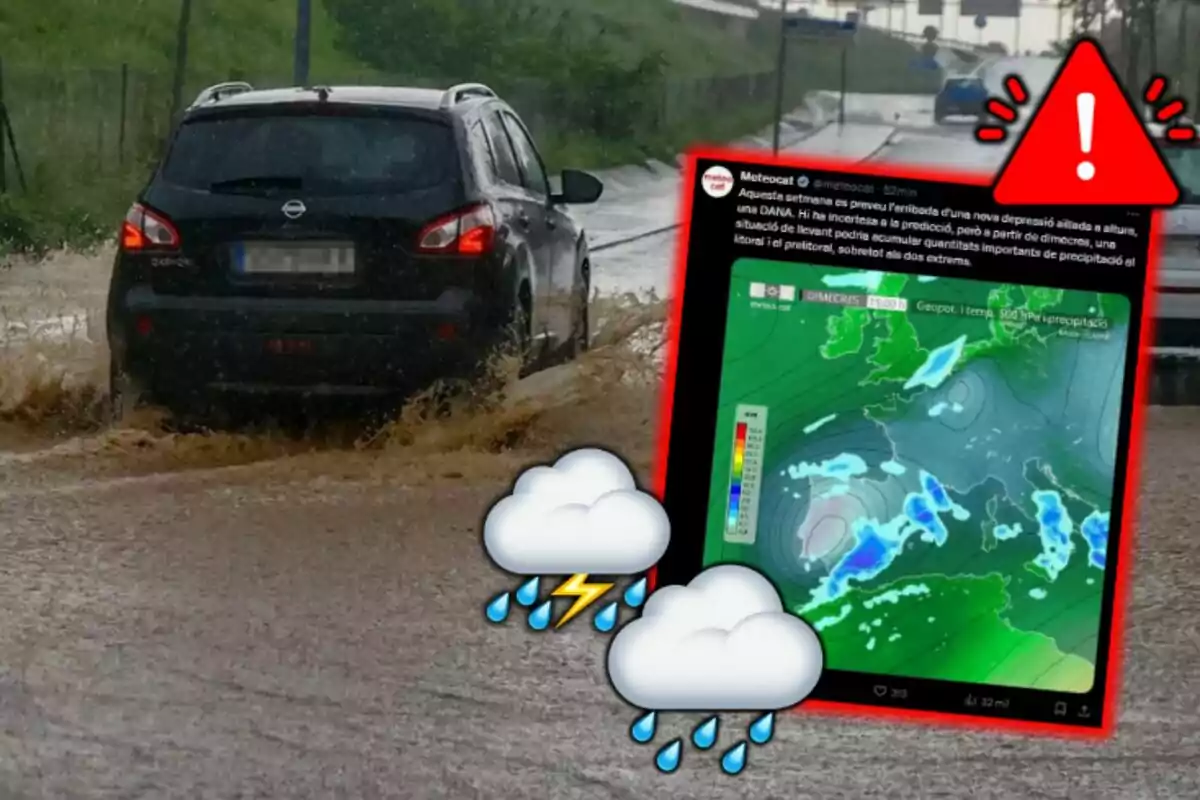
{"type": "Point", "coordinates": [254, 182]}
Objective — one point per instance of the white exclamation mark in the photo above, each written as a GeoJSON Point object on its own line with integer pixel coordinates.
{"type": "Point", "coordinates": [1085, 108]}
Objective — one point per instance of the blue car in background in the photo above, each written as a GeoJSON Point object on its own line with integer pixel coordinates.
{"type": "Point", "coordinates": [960, 96]}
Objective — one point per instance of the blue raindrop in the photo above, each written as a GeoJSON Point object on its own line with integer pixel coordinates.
{"type": "Point", "coordinates": [667, 759]}
{"type": "Point", "coordinates": [635, 595]}
{"type": "Point", "coordinates": [539, 618]}
{"type": "Point", "coordinates": [763, 728]}
{"type": "Point", "coordinates": [734, 760]}
{"type": "Point", "coordinates": [497, 610]}
{"type": "Point", "coordinates": [528, 593]}
{"type": "Point", "coordinates": [705, 735]}
{"type": "Point", "coordinates": [644, 728]}
{"type": "Point", "coordinates": [606, 619]}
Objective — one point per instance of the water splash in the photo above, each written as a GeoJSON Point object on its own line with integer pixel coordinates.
{"type": "Point", "coordinates": [606, 619]}
{"type": "Point", "coordinates": [635, 595]}
{"type": "Point", "coordinates": [527, 595]}
{"type": "Point", "coordinates": [734, 760]}
{"type": "Point", "coordinates": [668, 757]}
{"type": "Point", "coordinates": [497, 610]}
{"type": "Point", "coordinates": [705, 735]}
{"type": "Point", "coordinates": [643, 728]}
{"type": "Point", "coordinates": [763, 728]}
{"type": "Point", "coordinates": [539, 618]}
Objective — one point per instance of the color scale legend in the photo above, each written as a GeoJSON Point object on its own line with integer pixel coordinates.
{"type": "Point", "coordinates": [745, 473]}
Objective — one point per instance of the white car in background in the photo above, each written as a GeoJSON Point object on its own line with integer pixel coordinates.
{"type": "Point", "coordinates": [1177, 315]}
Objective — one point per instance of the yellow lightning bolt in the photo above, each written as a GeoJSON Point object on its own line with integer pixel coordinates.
{"type": "Point", "coordinates": [585, 594]}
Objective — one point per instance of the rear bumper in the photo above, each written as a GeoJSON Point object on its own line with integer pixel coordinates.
{"type": "Point", "coordinates": [173, 345]}
{"type": "Point", "coordinates": [948, 108]}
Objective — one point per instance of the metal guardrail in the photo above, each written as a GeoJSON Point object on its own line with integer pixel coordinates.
{"type": "Point", "coordinates": [960, 44]}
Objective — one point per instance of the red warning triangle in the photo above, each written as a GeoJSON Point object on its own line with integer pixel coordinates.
{"type": "Point", "coordinates": [1085, 144]}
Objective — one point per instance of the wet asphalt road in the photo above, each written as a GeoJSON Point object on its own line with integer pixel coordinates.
{"type": "Point", "coordinates": [312, 627]}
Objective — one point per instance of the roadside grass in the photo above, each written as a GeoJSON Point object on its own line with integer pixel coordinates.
{"type": "Point", "coordinates": [88, 83]}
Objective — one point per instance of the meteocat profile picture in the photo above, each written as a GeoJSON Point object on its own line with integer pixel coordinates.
{"type": "Point", "coordinates": [717, 181]}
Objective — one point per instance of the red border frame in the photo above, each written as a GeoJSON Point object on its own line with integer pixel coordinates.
{"type": "Point", "coordinates": [1136, 433]}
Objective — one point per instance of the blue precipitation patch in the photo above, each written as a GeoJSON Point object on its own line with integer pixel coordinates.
{"type": "Point", "coordinates": [926, 278]}
{"type": "Point", "coordinates": [923, 509]}
{"type": "Point", "coordinates": [1055, 528]}
{"type": "Point", "coordinates": [1037, 594]}
{"type": "Point", "coordinates": [938, 365]}
{"type": "Point", "coordinates": [829, 622]}
{"type": "Point", "coordinates": [919, 512]}
{"type": "Point", "coordinates": [878, 544]}
{"type": "Point", "coordinates": [936, 492]}
{"type": "Point", "coordinates": [876, 547]}
{"type": "Point", "coordinates": [1095, 532]}
{"type": "Point", "coordinates": [1002, 532]}
{"type": "Point", "coordinates": [845, 466]}
{"type": "Point", "coordinates": [894, 596]}
{"type": "Point", "coordinates": [819, 423]}
{"type": "Point", "coordinates": [855, 280]}
{"type": "Point", "coordinates": [893, 467]}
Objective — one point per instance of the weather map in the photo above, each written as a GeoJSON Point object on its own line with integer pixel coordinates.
{"type": "Point", "coordinates": [924, 466]}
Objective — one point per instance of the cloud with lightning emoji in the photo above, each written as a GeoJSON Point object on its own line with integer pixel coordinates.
{"type": "Point", "coordinates": [582, 516]}
{"type": "Point", "coordinates": [721, 643]}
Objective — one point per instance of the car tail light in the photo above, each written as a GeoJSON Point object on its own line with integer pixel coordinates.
{"type": "Point", "coordinates": [143, 229]}
{"type": "Point", "coordinates": [469, 232]}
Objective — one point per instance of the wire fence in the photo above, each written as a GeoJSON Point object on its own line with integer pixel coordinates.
{"type": "Point", "coordinates": [80, 127]}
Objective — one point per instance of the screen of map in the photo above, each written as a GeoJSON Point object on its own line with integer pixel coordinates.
{"type": "Point", "coordinates": [923, 465]}
{"type": "Point", "coordinates": [913, 411]}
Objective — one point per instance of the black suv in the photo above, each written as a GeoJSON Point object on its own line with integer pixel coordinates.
{"type": "Point", "coordinates": [343, 240]}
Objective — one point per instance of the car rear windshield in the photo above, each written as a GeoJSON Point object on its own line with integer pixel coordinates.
{"type": "Point", "coordinates": [1185, 163]}
{"type": "Point", "coordinates": [333, 154]}
{"type": "Point", "coordinates": [964, 83]}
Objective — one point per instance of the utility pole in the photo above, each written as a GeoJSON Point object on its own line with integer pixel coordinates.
{"type": "Point", "coordinates": [780, 68]}
{"type": "Point", "coordinates": [181, 54]}
{"type": "Point", "coordinates": [303, 43]}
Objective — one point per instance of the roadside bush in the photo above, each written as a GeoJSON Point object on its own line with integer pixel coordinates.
{"type": "Point", "coordinates": [600, 82]}
{"type": "Point", "coordinates": [33, 225]}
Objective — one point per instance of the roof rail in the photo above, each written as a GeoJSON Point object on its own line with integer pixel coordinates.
{"type": "Point", "coordinates": [215, 92]}
{"type": "Point", "coordinates": [456, 94]}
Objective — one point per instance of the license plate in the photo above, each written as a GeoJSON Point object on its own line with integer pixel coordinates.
{"type": "Point", "coordinates": [291, 347]}
{"type": "Point", "coordinates": [258, 258]}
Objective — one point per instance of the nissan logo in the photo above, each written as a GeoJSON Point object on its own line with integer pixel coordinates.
{"type": "Point", "coordinates": [294, 209]}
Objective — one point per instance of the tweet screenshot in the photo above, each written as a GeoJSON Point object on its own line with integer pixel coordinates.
{"type": "Point", "coordinates": [912, 411]}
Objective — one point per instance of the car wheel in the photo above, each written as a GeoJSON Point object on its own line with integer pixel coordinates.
{"type": "Point", "coordinates": [521, 334]}
{"type": "Point", "coordinates": [125, 395]}
{"type": "Point", "coordinates": [581, 341]}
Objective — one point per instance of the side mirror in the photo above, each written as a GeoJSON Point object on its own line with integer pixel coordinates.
{"type": "Point", "coordinates": [579, 187]}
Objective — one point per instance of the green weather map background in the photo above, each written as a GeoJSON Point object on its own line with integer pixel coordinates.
{"type": "Point", "coordinates": [935, 488]}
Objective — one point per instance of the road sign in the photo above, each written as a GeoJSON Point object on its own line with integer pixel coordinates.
{"type": "Point", "coordinates": [990, 8]}
{"type": "Point", "coordinates": [980, 21]}
{"type": "Point", "coordinates": [1085, 144]}
{"type": "Point", "coordinates": [930, 8]}
{"type": "Point", "coordinates": [817, 28]}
